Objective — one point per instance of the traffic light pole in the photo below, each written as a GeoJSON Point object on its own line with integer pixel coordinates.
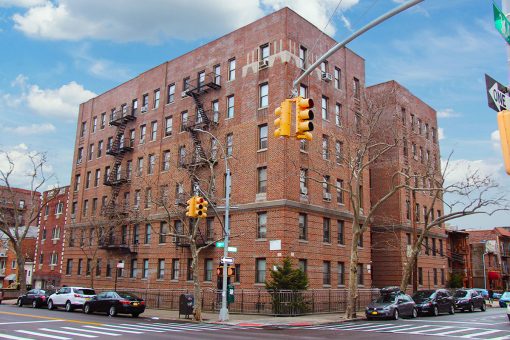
{"type": "Point", "coordinates": [356, 34]}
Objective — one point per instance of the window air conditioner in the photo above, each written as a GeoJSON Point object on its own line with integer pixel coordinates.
{"type": "Point", "coordinates": [304, 191]}
{"type": "Point", "coordinates": [326, 76]}
{"type": "Point", "coordinates": [263, 64]}
{"type": "Point", "coordinates": [327, 196]}
{"type": "Point", "coordinates": [184, 94]}
{"type": "Point", "coordinates": [144, 108]}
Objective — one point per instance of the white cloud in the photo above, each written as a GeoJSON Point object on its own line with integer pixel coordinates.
{"type": "Point", "coordinates": [496, 140]}
{"type": "Point", "coordinates": [459, 169]}
{"type": "Point", "coordinates": [62, 102]}
{"type": "Point", "coordinates": [440, 134]}
{"type": "Point", "coordinates": [155, 20]}
{"type": "Point", "coordinates": [23, 167]}
{"type": "Point", "coordinates": [100, 68]}
{"type": "Point", "coordinates": [32, 129]}
{"type": "Point", "coordinates": [447, 113]}
{"type": "Point", "coordinates": [21, 3]}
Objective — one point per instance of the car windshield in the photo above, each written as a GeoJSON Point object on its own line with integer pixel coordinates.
{"type": "Point", "coordinates": [506, 295]}
{"type": "Point", "coordinates": [386, 298]}
{"type": "Point", "coordinates": [423, 294]}
{"type": "Point", "coordinates": [85, 291]}
{"type": "Point", "coordinates": [461, 293]}
{"type": "Point", "coordinates": [128, 296]}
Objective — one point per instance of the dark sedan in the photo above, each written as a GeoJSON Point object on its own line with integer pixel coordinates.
{"type": "Point", "coordinates": [433, 302]}
{"type": "Point", "coordinates": [504, 300]}
{"type": "Point", "coordinates": [35, 297]}
{"type": "Point", "coordinates": [115, 303]}
{"type": "Point", "coordinates": [391, 306]}
{"type": "Point", "coordinates": [469, 299]}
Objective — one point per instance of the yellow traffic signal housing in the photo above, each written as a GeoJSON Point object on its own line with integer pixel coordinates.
{"type": "Point", "coordinates": [304, 115]}
{"type": "Point", "coordinates": [504, 134]}
{"type": "Point", "coordinates": [191, 207]}
{"type": "Point", "coordinates": [282, 123]}
{"type": "Point", "coordinates": [231, 271]}
{"type": "Point", "coordinates": [201, 207]}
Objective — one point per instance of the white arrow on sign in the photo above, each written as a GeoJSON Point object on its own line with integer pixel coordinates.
{"type": "Point", "coordinates": [227, 260]}
{"type": "Point", "coordinates": [501, 100]}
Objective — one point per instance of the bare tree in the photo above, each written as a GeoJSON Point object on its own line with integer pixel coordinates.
{"type": "Point", "coordinates": [17, 218]}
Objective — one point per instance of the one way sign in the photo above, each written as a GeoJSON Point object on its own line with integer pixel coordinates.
{"type": "Point", "coordinates": [497, 94]}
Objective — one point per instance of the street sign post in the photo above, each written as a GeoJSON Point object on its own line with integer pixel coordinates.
{"type": "Point", "coordinates": [227, 260]}
{"type": "Point", "coordinates": [502, 23]}
{"type": "Point", "coordinates": [497, 95]}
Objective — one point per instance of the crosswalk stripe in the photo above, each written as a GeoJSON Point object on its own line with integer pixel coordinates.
{"type": "Point", "coordinates": [388, 328]}
{"type": "Point", "coordinates": [456, 331]}
{"type": "Point", "coordinates": [504, 337]}
{"type": "Point", "coordinates": [5, 336]}
{"type": "Point", "coordinates": [351, 324]}
{"type": "Point", "coordinates": [187, 327]}
{"type": "Point", "coordinates": [136, 328]}
{"type": "Point", "coordinates": [117, 330]}
{"type": "Point", "coordinates": [168, 329]}
{"type": "Point", "coordinates": [403, 329]}
{"type": "Point", "coordinates": [363, 327]}
{"type": "Point", "coordinates": [67, 333]}
{"type": "Point", "coordinates": [90, 331]}
{"type": "Point", "coordinates": [432, 330]}
{"type": "Point", "coordinates": [482, 333]}
{"type": "Point", "coordinates": [43, 335]}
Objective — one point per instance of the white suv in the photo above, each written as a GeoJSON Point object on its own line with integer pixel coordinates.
{"type": "Point", "coordinates": [70, 298]}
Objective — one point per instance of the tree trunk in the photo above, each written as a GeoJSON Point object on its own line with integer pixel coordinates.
{"type": "Point", "coordinates": [352, 295]}
{"type": "Point", "coordinates": [408, 268]}
{"type": "Point", "coordinates": [197, 308]}
{"type": "Point", "coordinates": [20, 262]}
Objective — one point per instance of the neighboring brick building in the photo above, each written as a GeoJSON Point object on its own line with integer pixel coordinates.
{"type": "Point", "coordinates": [230, 87]}
{"type": "Point", "coordinates": [413, 123]}
{"type": "Point", "coordinates": [50, 240]}
{"type": "Point", "coordinates": [459, 255]}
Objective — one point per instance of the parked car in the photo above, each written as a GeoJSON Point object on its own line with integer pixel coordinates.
{"type": "Point", "coordinates": [35, 297]}
{"type": "Point", "coordinates": [70, 298]}
{"type": "Point", "coordinates": [496, 296]}
{"type": "Point", "coordinates": [115, 303]}
{"type": "Point", "coordinates": [483, 292]}
{"type": "Point", "coordinates": [469, 299]}
{"type": "Point", "coordinates": [392, 304]}
{"type": "Point", "coordinates": [504, 300]}
{"type": "Point", "coordinates": [433, 302]}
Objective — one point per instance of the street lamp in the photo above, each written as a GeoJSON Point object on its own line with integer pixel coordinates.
{"type": "Point", "coordinates": [224, 309]}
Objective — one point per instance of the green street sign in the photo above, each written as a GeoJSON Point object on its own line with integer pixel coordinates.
{"type": "Point", "coordinates": [232, 249]}
{"type": "Point", "coordinates": [501, 22]}
{"type": "Point", "coordinates": [220, 244]}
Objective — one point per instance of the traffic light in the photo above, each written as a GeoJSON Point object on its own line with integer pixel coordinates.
{"type": "Point", "coordinates": [282, 123]}
{"type": "Point", "coordinates": [303, 118]}
{"type": "Point", "coordinates": [219, 271]}
{"type": "Point", "coordinates": [231, 271]}
{"type": "Point", "coordinates": [191, 207]}
{"type": "Point", "coordinates": [200, 207]}
{"type": "Point", "coordinates": [504, 135]}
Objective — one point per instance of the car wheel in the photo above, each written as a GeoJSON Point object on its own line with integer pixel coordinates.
{"type": "Point", "coordinates": [483, 308]}
{"type": "Point", "coordinates": [135, 315]}
{"type": "Point", "coordinates": [69, 306]}
{"type": "Point", "coordinates": [452, 310]}
{"type": "Point", "coordinates": [395, 314]}
{"type": "Point", "coordinates": [471, 308]}
{"type": "Point", "coordinates": [35, 304]}
{"type": "Point", "coordinates": [50, 305]}
{"type": "Point", "coordinates": [112, 311]}
{"type": "Point", "coordinates": [19, 303]}
{"type": "Point", "coordinates": [415, 313]}
{"type": "Point", "coordinates": [86, 309]}
{"type": "Point", "coordinates": [435, 311]}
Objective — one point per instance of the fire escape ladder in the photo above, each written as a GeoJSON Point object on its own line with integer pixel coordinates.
{"type": "Point", "coordinates": [202, 117]}
{"type": "Point", "coordinates": [199, 150]}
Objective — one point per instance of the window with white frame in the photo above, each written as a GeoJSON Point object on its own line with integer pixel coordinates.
{"type": "Point", "coordinates": [168, 126]}
{"type": "Point", "coordinates": [338, 74]}
{"type": "Point", "coordinates": [171, 93]}
{"type": "Point", "coordinates": [264, 52]}
{"type": "Point", "coordinates": [157, 94]}
{"type": "Point", "coordinates": [324, 107]}
{"type": "Point", "coordinates": [232, 69]}
{"type": "Point", "coordinates": [154, 130]}
{"type": "Point", "coordinates": [261, 225]}
{"type": "Point", "coordinates": [263, 95]}
{"type": "Point", "coordinates": [338, 114]}
{"type": "Point", "coordinates": [262, 136]}
{"type": "Point", "coordinates": [229, 144]}
{"type": "Point", "coordinates": [230, 106]}
{"type": "Point", "coordinates": [302, 57]}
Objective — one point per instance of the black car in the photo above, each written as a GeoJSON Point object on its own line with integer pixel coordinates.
{"type": "Point", "coordinates": [35, 297]}
{"type": "Point", "coordinates": [434, 301]}
{"type": "Point", "coordinates": [392, 304]}
{"type": "Point", "coordinates": [469, 299]}
{"type": "Point", "coordinates": [115, 303]}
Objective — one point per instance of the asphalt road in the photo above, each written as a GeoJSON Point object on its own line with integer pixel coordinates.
{"type": "Point", "coordinates": [27, 323]}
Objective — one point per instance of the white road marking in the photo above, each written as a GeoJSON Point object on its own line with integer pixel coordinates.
{"type": "Point", "coordinates": [457, 331]}
{"type": "Point", "coordinates": [482, 333]}
{"type": "Point", "coordinates": [431, 330]}
{"type": "Point", "coordinates": [39, 321]}
{"type": "Point", "coordinates": [43, 335]}
{"type": "Point", "coordinates": [67, 333]}
{"type": "Point", "coordinates": [135, 327]}
{"type": "Point", "coordinates": [90, 331]}
{"type": "Point", "coordinates": [404, 329]}
{"type": "Point", "coordinates": [5, 336]}
{"type": "Point", "coordinates": [117, 330]}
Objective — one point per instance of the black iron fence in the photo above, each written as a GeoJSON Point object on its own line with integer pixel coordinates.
{"type": "Point", "coordinates": [261, 301]}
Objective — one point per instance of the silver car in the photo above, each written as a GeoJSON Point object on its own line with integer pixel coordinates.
{"type": "Point", "coordinates": [391, 306]}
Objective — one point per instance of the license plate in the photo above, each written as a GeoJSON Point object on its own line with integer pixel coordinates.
{"type": "Point", "coordinates": [87, 299]}
{"type": "Point", "coordinates": [135, 304]}
{"type": "Point", "coordinates": [374, 313]}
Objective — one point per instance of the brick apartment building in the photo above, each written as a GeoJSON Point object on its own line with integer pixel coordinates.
{"type": "Point", "coordinates": [403, 216]}
{"type": "Point", "coordinates": [25, 203]}
{"type": "Point", "coordinates": [229, 87]}
{"type": "Point", "coordinates": [459, 255]}
{"type": "Point", "coordinates": [50, 240]}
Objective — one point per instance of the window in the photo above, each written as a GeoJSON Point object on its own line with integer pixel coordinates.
{"type": "Point", "coordinates": [260, 270]}
{"type": "Point", "coordinates": [165, 165]}
{"type": "Point", "coordinates": [136, 202]}
{"type": "Point", "coordinates": [325, 188]}
{"type": "Point", "coordinates": [85, 207]}
{"type": "Point", "coordinates": [339, 151]}
{"type": "Point", "coordinates": [360, 274]}
{"type": "Point", "coordinates": [148, 198]}
{"type": "Point", "coordinates": [139, 166]}
{"type": "Point", "coordinates": [324, 67]}
{"type": "Point", "coordinates": [87, 179]}
{"type": "Point", "coordinates": [303, 266]}
{"type": "Point", "coordinates": [80, 156]}
{"type": "Point", "coordinates": [230, 107]}
{"type": "Point", "coordinates": [216, 110]}
{"type": "Point", "coordinates": [340, 191]}
{"type": "Point", "coordinates": [97, 177]}
{"type": "Point", "coordinates": [325, 147]}
{"type": "Point", "coordinates": [175, 269]}
{"type": "Point", "coordinates": [124, 234]}
{"type": "Point", "coordinates": [232, 69]}
{"type": "Point", "coordinates": [434, 135]}
{"type": "Point", "coordinates": [264, 52]}
{"type": "Point", "coordinates": [262, 180]}
{"type": "Point", "coordinates": [261, 225]}
{"type": "Point", "coordinates": [262, 136]}
{"type": "Point", "coordinates": [98, 267]}
{"type": "Point", "coordinates": [360, 241]}
{"type": "Point", "coordinates": [341, 232]}
{"type": "Point", "coordinates": [145, 103]}
{"type": "Point", "coordinates": [209, 228]}
{"type": "Point", "coordinates": [263, 95]}
{"type": "Point", "coordinates": [440, 247]}
{"type": "Point", "coordinates": [442, 277]}
{"type": "Point", "coordinates": [145, 269]}
{"type": "Point", "coordinates": [208, 269]}
{"type": "Point", "coordinates": [189, 270]}
{"type": "Point", "coordinates": [161, 269]}
{"type": "Point", "coordinates": [341, 273]}
{"type": "Point", "coordinates": [129, 169]}
{"type": "Point", "coordinates": [163, 231]}
{"type": "Point", "coordinates": [338, 114]}
{"type": "Point", "coordinates": [303, 181]}
{"type": "Point", "coordinates": [326, 230]}
{"type": "Point", "coordinates": [80, 266]}
{"type": "Point", "coordinates": [427, 246]}
{"type": "Point", "coordinates": [88, 268]}
{"type": "Point", "coordinates": [303, 145]}
{"type": "Point", "coordinates": [356, 88]}
{"type": "Point", "coordinates": [99, 149]}
{"type": "Point", "coordinates": [229, 144]}
{"type": "Point", "coordinates": [303, 91]}
{"type": "Point", "coordinates": [434, 247]}
{"type": "Point", "coordinates": [168, 126]}
{"type": "Point", "coordinates": [435, 276]}
{"type": "Point", "coordinates": [83, 129]}
{"type": "Point", "coordinates": [184, 120]}
{"type": "Point", "coordinates": [303, 227]}
{"type": "Point", "coordinates": [148, 233]}
{"type": "Point", "coordinates": [302, 57]}
{"type": "Point", "coordinates": [324, 107]}
{"type": "Point", "coordinates": [420, 127]}
{"type": "Point", "coordinates": [156, 98]}
{"type": "Point", "coordinates": [133, 268]}
{"type": "Point", "coordinates": [103, 120]}
{"type": "Point", "coordinates": [185, 86]}
{"type": "Point", "coordinates": [152, 162]}
{"type": "Point", "coordinates": [338, 73]}
{"type": "Point", "coordinates": [182, 155]}
{"type": "Point", "coordinates": [217, 74]}
{"type": "Point", "coordinates": [69, 267]}
{"type": "Point", "coordinates": [91, 151]}
{"type": "Point", "coordinates": [143, 130]}
{"type": "Point", "coordinates": [154, 130]}
{"type": "Point", "coordinates": [326, 273]}
{"type": "Point", "coordinates": [171, 93]}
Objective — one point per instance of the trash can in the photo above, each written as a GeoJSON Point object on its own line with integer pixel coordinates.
{"type": "Point", "coordinates": [186, 303]}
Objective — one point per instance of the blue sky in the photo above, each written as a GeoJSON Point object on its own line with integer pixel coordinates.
{"type": "Point", "coordinates": [57, 54]}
